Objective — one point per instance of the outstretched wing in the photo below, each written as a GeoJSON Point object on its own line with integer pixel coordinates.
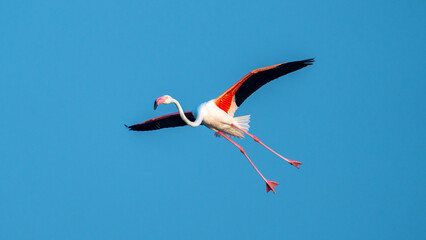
{"type": "Point", "coordinates": [166, 121]}
{"type": "Point", "coordinates": [232, 98]}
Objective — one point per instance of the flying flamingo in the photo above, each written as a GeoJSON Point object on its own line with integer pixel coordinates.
{"type": "Point", "coordinates": [218, 114]}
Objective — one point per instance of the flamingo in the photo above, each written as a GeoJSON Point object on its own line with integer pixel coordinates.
{"type": "Point", "coordinates": [218, 114]}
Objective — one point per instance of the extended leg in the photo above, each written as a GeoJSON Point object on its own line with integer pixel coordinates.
{"type": "Point", "coordinates": [292, 162]}
{"type": "Point", "coordinates": [269, 184]}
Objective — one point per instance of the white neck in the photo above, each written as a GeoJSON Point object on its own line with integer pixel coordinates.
{"type": "Point", "coordinates": [186, 120]}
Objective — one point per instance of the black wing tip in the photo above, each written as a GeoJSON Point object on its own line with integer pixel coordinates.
{"type": "Point", "coordinates": [309, 61]}
{"type": "Point", "coordinates": [129, 127]}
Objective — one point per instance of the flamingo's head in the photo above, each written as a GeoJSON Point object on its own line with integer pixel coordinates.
{"type": "Point", "coordinates": [166, 99]}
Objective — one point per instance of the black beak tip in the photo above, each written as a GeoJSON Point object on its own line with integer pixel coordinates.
{"type": "Point", "coordinates": [155, 105]}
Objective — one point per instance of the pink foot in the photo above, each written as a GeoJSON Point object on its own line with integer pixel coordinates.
{"type": "Point", "coordinates": [270, 185]}
{"type": "Point", "coordinates": [295, 163]}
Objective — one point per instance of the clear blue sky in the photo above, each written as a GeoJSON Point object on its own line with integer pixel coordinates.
{"type": "Point", "coordinates": [73, 72]}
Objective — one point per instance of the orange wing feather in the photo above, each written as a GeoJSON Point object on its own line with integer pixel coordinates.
{"type": "Point", "coordinates": [226, 100]}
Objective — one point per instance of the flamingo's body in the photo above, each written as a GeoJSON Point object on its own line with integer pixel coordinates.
{"type": "Point", "coordinates": [218, 120]}
{"type": "Point", "coordinates": [218, 114]}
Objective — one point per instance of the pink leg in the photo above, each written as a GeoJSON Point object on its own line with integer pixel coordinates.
{"type": "Point", "coordinates": [269, 184]}
{"type": "Point", "coordinates": [292, 162]}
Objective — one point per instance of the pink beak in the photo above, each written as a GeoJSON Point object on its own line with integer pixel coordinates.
{"type": "Point", "coordinates": [159, 101]}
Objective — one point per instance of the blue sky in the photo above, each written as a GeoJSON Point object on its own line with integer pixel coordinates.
{"type": "Point", "coordinates": [72, 73]}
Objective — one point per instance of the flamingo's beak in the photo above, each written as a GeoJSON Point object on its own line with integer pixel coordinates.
{"type": "Point", "coordinates": [159, 101]}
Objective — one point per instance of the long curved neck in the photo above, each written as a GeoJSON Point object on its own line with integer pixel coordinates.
{"type": "Point", "coordinates": [185, 119]}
